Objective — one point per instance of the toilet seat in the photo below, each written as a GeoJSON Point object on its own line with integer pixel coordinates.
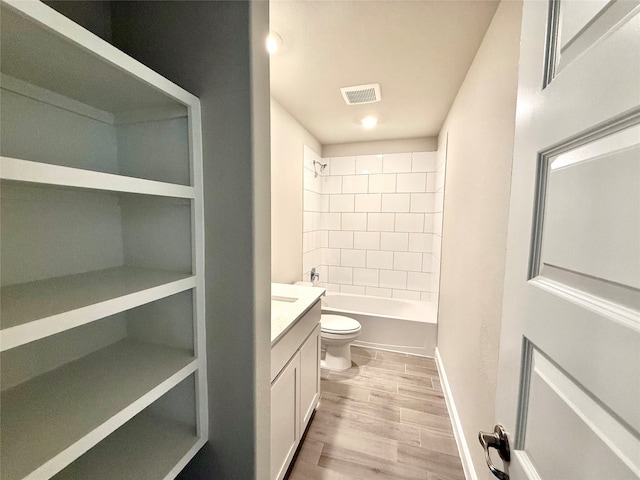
{"type": "Point", "coordinates": [338, 324]}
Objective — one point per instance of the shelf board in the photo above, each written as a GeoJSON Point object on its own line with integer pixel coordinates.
{"type": "Point", "coordinates": [52, 419]}
{"type": "Point", "coordinates": [34, 310]}
{"type": "Point", "coordinates": [46, 174]}
{"type": "Point", "coordinates": [148, 447]}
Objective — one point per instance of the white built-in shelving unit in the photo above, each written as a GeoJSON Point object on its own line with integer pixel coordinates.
{"type": "Point", "coordinates": [102, 342]}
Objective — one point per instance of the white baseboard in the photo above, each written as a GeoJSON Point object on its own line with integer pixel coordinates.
{"type": "Point", "coordinates": [463, 446]}
{"type": "Point", "coordinates": [419, 351]}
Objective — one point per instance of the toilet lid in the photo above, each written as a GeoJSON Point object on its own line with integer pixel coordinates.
{"type": "Point", "coordinates": [338, 324]}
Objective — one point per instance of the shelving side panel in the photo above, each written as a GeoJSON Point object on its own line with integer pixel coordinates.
{"type": "Point", "coordinates": [168, 321]}
{"type": "Point", "coordinates": [159, 146]}
{"type": "Point", "coordinates": [157, 233]}
{"type": "Point", "coordinates": [51, 420]}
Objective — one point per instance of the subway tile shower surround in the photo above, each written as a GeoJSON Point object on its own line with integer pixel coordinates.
{"type": "Point", "coordinates": [373, 223]}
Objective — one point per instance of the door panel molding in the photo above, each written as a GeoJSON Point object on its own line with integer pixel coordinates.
{"type": "Point", "coordinates": [605, 279]}
{"type": "Point", "coordinates": [611, 126]}
{"type": "Point", "coordinates": [550, 50]}
{"type": "Point", "coordinates": [523, 396]}
{"type": "Point", "coordinates": [614, 312]}
{"type": "Point", "coordinates": [545, 384]}
{"type": "Point", "coordinates": [566, 43]}
{"type": "Point", "coordinates": [522, 467]}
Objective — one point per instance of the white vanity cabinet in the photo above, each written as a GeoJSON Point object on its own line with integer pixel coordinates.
{"type": "Point", "coordinates": [102, 345]}
{"type": "Point", "coordinates": [295, 387]}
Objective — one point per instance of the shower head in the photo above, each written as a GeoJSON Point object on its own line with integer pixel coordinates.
{"type": "Point", "coordinates": [322, 165]}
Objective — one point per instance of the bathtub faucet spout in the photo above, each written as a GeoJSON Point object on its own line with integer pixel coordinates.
{"type": "Point", "coordinates": [314, 275]}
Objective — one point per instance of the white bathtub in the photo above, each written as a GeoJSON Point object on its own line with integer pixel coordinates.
{"type": "Point", "coordinates": [388, 323]}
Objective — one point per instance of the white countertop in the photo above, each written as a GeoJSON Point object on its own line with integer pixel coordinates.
{"type": "Point", "coordinates": [288, 304]}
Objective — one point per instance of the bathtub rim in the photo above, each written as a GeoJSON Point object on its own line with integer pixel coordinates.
{"type": "Point", "coordinates": [423, 304]}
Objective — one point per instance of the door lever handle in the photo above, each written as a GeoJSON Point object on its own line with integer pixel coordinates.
{"type": "Point", "coordinates": [498, 440]}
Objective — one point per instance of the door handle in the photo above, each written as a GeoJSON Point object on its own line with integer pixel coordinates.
{"type": "Point", "coordinates": [498, 440]}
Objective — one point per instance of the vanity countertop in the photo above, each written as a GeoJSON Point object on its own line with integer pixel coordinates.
{"type": "Point", "coordinates": [288, 304]}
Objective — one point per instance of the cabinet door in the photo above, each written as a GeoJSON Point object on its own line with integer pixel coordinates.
{"type": "Point", "coordinates": [310, 376]}
{"type": "Point", "coordinates": [285, 417]}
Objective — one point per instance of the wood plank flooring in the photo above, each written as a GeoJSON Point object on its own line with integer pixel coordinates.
{"type": "Point", "coordinates": [384, 418]}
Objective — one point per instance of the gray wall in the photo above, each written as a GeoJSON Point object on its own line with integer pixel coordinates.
{"type": "Point", "coordinates": [215, 50]}
{"type": "Point", "coordinates": [95, 15]}
{"type": "Point", "coordinates": [480, 128]}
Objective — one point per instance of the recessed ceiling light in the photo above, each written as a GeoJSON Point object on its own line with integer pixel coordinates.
{"type": "Point", "coordinates": [369, 122]}
{"type": "Point", "coordinates": [273, 42]}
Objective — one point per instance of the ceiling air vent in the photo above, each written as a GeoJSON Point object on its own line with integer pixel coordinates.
{"type": "Point", "coordinates": [361, 94]}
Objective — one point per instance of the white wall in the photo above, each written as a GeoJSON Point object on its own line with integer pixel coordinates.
{"type": "Point", "coordinates": [399, 145]}
{"type": "Point", "coordinates": [480, 128]}
{"type": "Point", "coordinates": [288, 139]}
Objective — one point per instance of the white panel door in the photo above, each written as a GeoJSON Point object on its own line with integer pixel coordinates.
{"type": "Point", "coordinates": [569, 368]}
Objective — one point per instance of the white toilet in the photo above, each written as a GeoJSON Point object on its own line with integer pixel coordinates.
{"type": "Point", "coordinates": [337, 334]}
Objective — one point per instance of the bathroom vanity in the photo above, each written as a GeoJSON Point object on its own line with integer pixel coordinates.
{"type": "Point", "coordinates": [295, 368]}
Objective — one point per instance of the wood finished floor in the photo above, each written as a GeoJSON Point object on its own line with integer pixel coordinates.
{"type": "Point", "coordinates": [384, 418]}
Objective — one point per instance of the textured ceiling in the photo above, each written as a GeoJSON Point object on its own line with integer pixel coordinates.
{"type": "Point", "coordinates": [419, 52]}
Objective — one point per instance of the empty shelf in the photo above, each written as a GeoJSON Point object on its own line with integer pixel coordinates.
{"type": "Point", "coordinates": [36, 172]}
{"type": "Point", "coordinates": [51, 420]}
{"type": "Point", "coordinates": [34, 310]}
{"type": "Point", "coordinates": [148, 447]}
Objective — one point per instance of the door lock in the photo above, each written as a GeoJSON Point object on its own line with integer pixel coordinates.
{"type": "Point", "coordinates": [498, 440]}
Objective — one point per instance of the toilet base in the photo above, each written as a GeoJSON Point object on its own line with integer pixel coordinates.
{"type": "Point", "coordinates": [337, 357]}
